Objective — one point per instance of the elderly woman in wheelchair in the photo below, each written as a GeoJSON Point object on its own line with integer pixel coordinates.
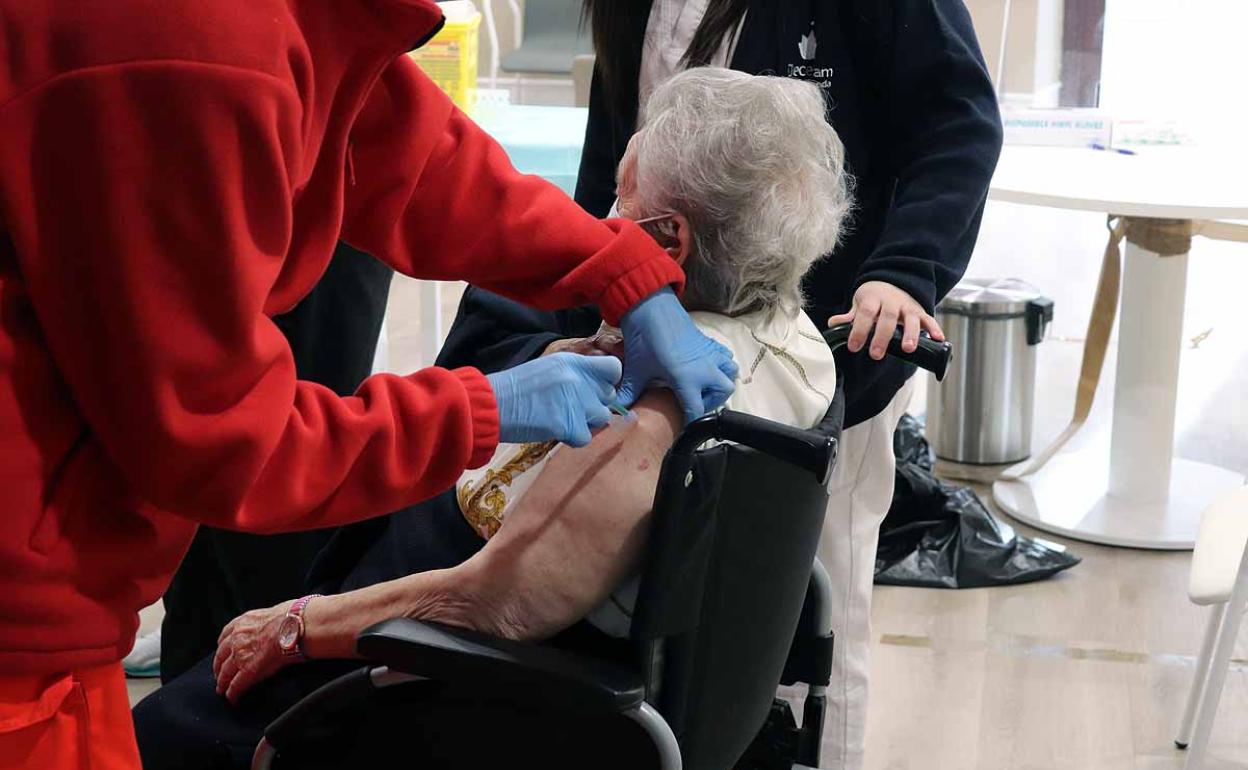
{"type": "Point", "coordinates": [742, 179]}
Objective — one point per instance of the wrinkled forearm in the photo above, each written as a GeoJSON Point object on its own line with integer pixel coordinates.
{"type": "Point", "coordinates": [332, 623]}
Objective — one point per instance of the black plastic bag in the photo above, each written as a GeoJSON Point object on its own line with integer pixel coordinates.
{"type": "Point", "coordinates": [938, 535]}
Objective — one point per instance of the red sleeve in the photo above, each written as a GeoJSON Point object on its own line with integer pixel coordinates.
{"type": "Point", "coordinates": [437, 198]}
{"type": "Point", "coordinates": [150, 211]}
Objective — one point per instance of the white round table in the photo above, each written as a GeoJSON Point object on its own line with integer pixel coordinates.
{"type": "Point", "coordinates": [1138, 494]}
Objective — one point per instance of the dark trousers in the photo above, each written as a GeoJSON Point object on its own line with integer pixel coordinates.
{"type": "Point", "coordinates": [333, 335]}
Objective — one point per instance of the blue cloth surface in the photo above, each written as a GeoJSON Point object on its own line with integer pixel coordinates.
{"type": "Point", "coordinates": [545, 141]}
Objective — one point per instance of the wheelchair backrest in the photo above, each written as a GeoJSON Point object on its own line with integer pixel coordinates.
{"type": "Point", "coordinates": [734, 538]}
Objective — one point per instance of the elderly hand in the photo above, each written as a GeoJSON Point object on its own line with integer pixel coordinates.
{"type": "Point", "coordinates": [883, 306]}
{"type": "Point", "coordinates": [248, 652]}
{"type": "Point", "coordinates": [605, 343]}
{"type": "Point", "coordinates": [662, 345]}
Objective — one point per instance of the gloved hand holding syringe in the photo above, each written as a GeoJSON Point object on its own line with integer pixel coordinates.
{"type": "Point", "coordinates": [567, 395]}
{"type": "Point", "coordinates": [607, 341]}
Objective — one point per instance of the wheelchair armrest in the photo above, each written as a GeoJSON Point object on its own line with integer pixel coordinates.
{"type": "Point", "coordinates": [547, 675]}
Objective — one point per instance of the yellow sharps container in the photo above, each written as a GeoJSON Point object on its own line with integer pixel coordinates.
{"type": "Point", "coordinates": [450, 58]}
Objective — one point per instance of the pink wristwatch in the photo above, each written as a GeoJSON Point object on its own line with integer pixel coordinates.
{"type": "Point", "coordinates": [290, 632]}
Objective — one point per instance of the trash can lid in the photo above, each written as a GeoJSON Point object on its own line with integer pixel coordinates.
{"type": "Point", "coordinates": [990, 297]}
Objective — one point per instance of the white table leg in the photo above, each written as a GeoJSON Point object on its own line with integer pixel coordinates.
{"type": "Point", "coordinates": [1138, 495]}
{"type": "Point", "coordinates": [430, 321]}
{"type": "Point", "coordinates": [1149, 339]}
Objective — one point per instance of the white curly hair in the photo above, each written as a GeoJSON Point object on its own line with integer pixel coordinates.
{"type": "Point", "coordinates": [754, 165]}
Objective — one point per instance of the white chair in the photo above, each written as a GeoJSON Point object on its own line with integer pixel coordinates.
{"type": "Point", "coordinates": [1219, 578]}
{"type": "Point", "coordinates": [552, 36]}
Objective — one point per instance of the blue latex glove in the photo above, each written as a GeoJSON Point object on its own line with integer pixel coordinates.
{"type": "Point", "coordinates": [662, 345]}
{"type": "Point", "coordinates": [561, 398]}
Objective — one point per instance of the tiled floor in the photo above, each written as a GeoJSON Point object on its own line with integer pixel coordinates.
{"type": "Point", "coordinates": [1088, 670]}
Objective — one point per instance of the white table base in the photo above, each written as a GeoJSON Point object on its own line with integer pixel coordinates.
{"type": "Point", "coordinates": [1070, 497]}
{"type": "Point", "coordinates": [1139, 496]}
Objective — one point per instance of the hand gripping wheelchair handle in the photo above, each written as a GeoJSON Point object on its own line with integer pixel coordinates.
{"type": "Point", "coordinates": [930, 355]}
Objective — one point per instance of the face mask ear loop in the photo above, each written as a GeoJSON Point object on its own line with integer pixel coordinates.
{"type": "Point", "coordinates": [652, 225]}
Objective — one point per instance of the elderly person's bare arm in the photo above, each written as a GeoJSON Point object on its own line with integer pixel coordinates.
{"type": "Point", "coordinates": [575, 535]}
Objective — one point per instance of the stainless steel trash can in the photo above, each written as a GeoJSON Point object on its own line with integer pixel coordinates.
{"type": "Point", "coordinates": [982, 413]}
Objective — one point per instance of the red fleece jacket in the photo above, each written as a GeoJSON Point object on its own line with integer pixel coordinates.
{"type": "Point", "coordinates": [172, 174]}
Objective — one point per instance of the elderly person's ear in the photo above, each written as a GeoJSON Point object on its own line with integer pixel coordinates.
{"type": "Point", "coordinates": [672, 232]}
{"type": "Point", "coordinates": [681, 243]}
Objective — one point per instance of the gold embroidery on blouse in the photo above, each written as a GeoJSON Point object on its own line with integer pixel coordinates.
{"type": "Point", "coordinates": [785, 355]}
{"type": "Point", "coordinates": [483, 505]}
{"type": "Point", "coordinates": [754, 366]}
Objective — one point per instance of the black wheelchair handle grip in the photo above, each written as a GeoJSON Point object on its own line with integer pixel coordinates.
{"type": "Point", "coordinates": [806, 449]}
{"type": "Point", "coordinates": [347, 689]}
{"type": "Point", "coordinates": [930, 355]}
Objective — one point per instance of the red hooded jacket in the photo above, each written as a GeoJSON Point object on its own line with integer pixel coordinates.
{"type": "Point", "coordinates": [172, 174]}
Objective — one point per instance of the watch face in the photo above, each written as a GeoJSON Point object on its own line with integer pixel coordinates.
{"type": "Point", "coordinates": [288, 634]}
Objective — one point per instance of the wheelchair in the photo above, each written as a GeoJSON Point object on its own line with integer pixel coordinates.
{"type": "Point", "coordinates": [729, 609]}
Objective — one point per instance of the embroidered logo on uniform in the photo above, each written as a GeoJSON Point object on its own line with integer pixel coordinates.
{"type": "Point", "coordinates": [808, 44]}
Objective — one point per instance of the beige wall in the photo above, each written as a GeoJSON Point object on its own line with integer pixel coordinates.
{"type": "Point", "coordinates": [1034, 59]}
